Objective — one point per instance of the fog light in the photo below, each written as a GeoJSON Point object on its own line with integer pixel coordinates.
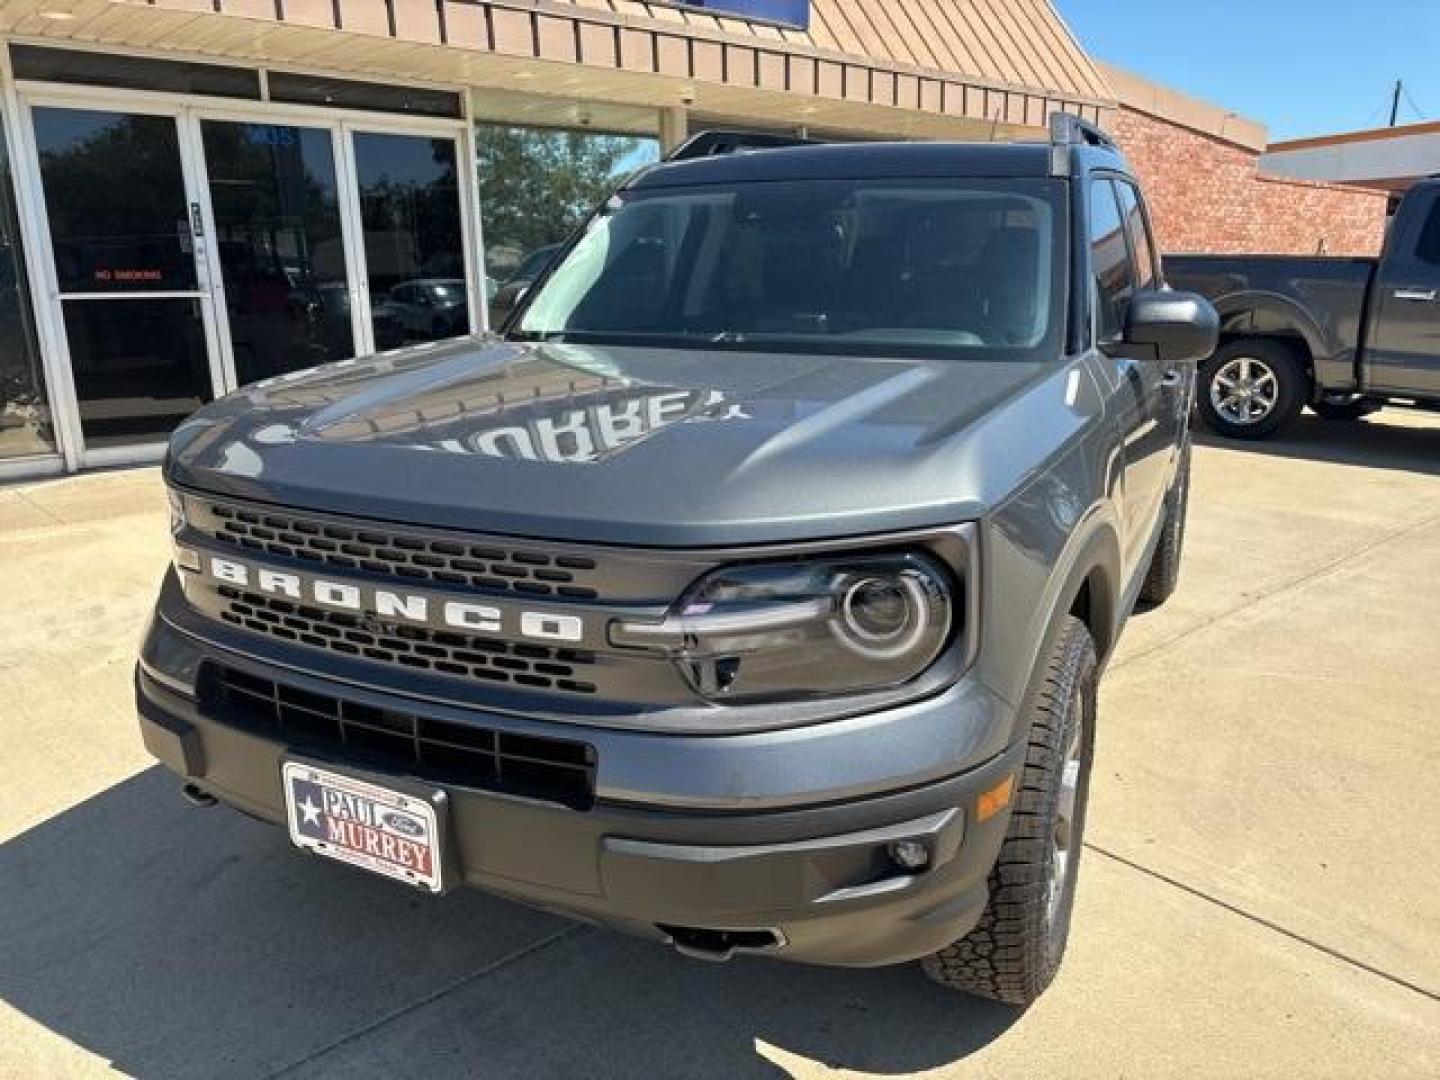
{"type": "Point", "coordinates": [909, 854]}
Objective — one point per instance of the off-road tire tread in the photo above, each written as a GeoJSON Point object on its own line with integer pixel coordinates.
{"type": "Point", "coordinates": [1163, 576]}
{"type": "Point", "coordinates": [1007, 957]}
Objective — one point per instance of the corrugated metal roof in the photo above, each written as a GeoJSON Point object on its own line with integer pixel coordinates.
{"type": "Point", "coordinates": [911, 68]}
{"type": "Point", "coordinates": [1020, 42]}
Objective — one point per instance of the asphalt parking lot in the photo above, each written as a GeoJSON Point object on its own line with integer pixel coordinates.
{"type": "Point", "coordinates": [1260, 897]}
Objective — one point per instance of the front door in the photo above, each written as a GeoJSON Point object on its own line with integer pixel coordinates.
{"type": "Point", "coordinates": [1403, 353]}
{"type": "Point", "coordinates": [1142, 403]}
{"type": "Point", "coordinates": [126, 236]}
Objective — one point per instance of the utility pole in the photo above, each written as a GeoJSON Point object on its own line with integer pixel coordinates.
{"type": "Point", "coordinates": [1395, 102]}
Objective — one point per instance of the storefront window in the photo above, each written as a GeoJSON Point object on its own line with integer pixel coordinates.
{"type": "Point", "coordinates": [24, 411]}
{"type": "Point", "coordinates": [414, 246]}
{"type": "Point", "coordinates": [536, 186]}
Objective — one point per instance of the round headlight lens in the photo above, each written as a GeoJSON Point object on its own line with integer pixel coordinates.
{"type": "Point", "coordinates": [884, 617]}
{"type": "Point", "coordinates": [816, 627]}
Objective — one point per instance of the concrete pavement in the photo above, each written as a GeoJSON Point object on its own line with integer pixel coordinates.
{"type": "Point", "coordinates": [1260, 896]}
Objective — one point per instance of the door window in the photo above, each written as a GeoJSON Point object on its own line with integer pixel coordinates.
{"type": "Point", "coordinates": [115, 199]}
{"type": "Point", "coordinates": [410, 216]}
{"type": "Point", "coordinates": [141, 366]}
{"type": "Point", "coordinates": [119, 219]}
{"type": "Point", "coordinates": [1139, 230]}
{"type": "Point", "coordinates": [1428, 249]}
{"type": "Point", "coordinates": [1110, 256]}
{"type": "Point", "coordinates": [282, 255]}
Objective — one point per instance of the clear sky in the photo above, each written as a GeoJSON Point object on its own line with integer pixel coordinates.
{"type": "Point", "coordinates": [1304, 67]}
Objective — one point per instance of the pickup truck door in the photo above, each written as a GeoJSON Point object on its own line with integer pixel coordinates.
{"type": "Point", "coordinates": [1147, 402]}
{"type": "Point", "coordinates": [1402, 355]}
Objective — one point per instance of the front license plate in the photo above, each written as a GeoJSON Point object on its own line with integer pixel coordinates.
{"type": "Point", "coordinates": [386, 832]}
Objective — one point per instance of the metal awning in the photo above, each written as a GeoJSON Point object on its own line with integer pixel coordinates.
{"type": "Point", "coordinates": [900, 67]}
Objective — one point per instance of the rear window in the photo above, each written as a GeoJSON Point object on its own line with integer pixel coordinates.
{"type": "Point", "coordinates": [955, 267]}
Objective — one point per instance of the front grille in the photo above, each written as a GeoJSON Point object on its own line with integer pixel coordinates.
{"type": "Point", "coordinates": [535, 666]}
{"type": "Point", "coordinates": [556, 770]}
{"type": "Point", "coordinates": [383, 549]}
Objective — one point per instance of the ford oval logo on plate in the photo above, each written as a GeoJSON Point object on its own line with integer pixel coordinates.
{"type": "Point", "coordinates": [404, 825]}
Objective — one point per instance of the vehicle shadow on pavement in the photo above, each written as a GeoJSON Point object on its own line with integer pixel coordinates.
{"type": "Point", "coordinates": [1372, 443]}
{"type": "Point", "coordinates": [180, 942]}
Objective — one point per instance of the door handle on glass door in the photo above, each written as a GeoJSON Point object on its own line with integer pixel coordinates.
{"type": "Point", "coordinates": [1423, 296]}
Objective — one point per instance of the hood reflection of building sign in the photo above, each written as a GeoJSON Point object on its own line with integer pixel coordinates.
{"type": "Point", "coordinates": [794, 13]}
{"type": "Point", "coordinates": [580, 432]}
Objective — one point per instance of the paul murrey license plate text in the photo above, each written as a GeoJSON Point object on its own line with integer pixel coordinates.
{"type": "Point", "coordinates": [387, 832]}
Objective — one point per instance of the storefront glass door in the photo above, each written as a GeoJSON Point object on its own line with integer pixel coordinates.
{"type": "Point", "coordinates": [198, 250]}
{"type": "Point", "coordinates": [275, 199]}
{"type": "Point", "coordinates": [133, 302]}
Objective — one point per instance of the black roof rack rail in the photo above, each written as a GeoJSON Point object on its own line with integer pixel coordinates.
{"type": "Point", "coordinates": [713, 143]}
{"type": "Point", "coordinates": [1067, 130]}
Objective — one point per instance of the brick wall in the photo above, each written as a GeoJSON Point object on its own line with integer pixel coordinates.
{"type": "Point", "coordinates": [1205, 195]}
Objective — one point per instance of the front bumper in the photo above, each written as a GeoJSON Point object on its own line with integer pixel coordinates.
{"type": "Point", "coordinates": [810, 863]}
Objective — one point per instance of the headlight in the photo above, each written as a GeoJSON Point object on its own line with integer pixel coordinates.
{"type": "Point", "coordinates": [802, 629]}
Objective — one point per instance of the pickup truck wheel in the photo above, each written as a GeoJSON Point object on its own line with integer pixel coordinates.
{"type": "Point", "coordinates": [1343, 408]}
{"type": "Point", "coordinates": [1164, 573]}
{"type": "Point", "coordinates": [1251, 388]}
{"type": "Point", "coordinates": [1014, 951]}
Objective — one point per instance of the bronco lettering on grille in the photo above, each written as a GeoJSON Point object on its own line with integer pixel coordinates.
{"type": "Point", "coordinates": [399, 607]}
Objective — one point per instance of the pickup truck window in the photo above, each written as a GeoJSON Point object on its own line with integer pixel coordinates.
{"type": "Point", "coordinates": [1427, 250]}
{"type": "Point", "coordinates": [1110, 256]}
{"type": "Point", "coordinates": [958, 268]}
{"type": "Point", "coordinates": [1139, 230]}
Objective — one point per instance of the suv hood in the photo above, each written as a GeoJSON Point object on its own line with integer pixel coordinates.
{"type": "Point", "coordinates": [636, 445]}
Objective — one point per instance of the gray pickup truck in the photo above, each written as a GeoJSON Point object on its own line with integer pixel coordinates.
{"type": "Point", "coordinates": [1344, 336]}
{"type": "Point", "coordinates": [748, 593]}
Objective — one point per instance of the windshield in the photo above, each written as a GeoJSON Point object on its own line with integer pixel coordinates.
{"type": "Point", "coordinates": [963, 267]}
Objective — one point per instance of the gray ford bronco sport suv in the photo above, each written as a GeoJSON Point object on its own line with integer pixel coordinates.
{"type": "Point", "coordinates": [748, 593]}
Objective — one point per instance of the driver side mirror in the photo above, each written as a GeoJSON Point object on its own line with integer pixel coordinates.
{"type": "Point", "coordinates": [1171, 327]}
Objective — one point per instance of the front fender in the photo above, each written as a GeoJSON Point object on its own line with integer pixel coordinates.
{"type": "Point", "coordinates": [1040, 548]}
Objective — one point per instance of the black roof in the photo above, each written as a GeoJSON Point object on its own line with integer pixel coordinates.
{"type": "Point", "coordinates": [855, 161]}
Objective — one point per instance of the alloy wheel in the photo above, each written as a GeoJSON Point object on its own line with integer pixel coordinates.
{"type": "Point", "coordinates": [1245, 390]}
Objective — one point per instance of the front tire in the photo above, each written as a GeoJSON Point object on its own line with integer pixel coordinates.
{"type": "Point", "coordinates": [1163, 576]}
{"type": "Point", "coordinates": [1251, 388]}
{"type": "Point", "coordinates": [1343, 409]}
{"type": "Point", "coordinates": [1013, 953]}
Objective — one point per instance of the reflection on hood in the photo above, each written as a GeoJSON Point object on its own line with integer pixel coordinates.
{"type": "Point", "coordinates": [631, 444]}
{"type": "Point", "coordinates": [533, 409]}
